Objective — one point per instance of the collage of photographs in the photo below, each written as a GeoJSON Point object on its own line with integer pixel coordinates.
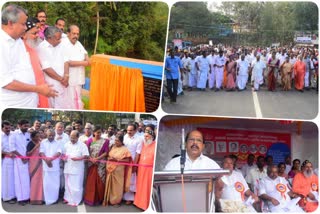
{"type": "Point", "coordinates": [159, 106]}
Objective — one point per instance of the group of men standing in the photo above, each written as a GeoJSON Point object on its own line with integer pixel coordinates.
{"type": "Point", "coordinates": [60, 160]}
{"type": "Point", "coordinates": [41, 65]}
{"type": "Point", "coordinates": [218, 68]}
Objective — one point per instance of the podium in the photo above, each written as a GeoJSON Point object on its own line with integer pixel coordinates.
{"type": "Point", "coordinates": [198, 185]}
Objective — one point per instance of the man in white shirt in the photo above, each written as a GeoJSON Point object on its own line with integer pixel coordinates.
{"type": "Point", "coordinates": [134, 144]}
{"type": "Point", "coordinates": [233, 186]}
{"type": "Point", "coordinates": [7, 172]}
{"type": "Point", "coordinates": [212, 74]}
{"type": "Point", "coordinates": [110, 134]}
{"type": "Point", "coordinates": [245, 169]}
{"type": "Point", "coordinates": [75, 152]}
{"type": "Point", "coordinates": [18, 141]}
{"type": "Point", "coordinates": [203, 65]}
{"type": "Point", "coordinates": [50, 150]}
{"type": "Point", "coordinates": [17, 83]}
{"type": "Point", "coordinates": [55, 66]}
{"type": "Point", "coordinates": [242, 73]}
{"type": "Point", "coordinates": [194, 157]}
{"type": "Point", "coordinates": [274, 190]}
{"type": "Point", "coordinates": [87, 133]}
{"type": "Point", "coordinates": [77, 58]}
{"type": "Point", "coordinates": [61, 138]}
{"type": "Point", "coordinates": [219, 63]}
{"type": "Point", "coordinates": [258, 68]}
{"type": "Point", "coordinates": [256, 174]}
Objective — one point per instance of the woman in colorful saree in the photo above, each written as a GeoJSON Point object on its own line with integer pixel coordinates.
{"type": "Point", "coordinates": [273, 65]}
{"type": "Point", "coordinates": [35, 169]}
{"type": "Point", "coordinates": [118, 174]}
{"type": "Point", "coordinates": [98, 150]}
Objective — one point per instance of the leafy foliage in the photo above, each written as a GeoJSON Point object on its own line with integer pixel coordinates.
{"type": "Point", "coordinates": [129, 29]}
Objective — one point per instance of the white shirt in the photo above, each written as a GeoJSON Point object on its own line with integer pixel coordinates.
{"type": "Point", "coordinates": [268, 186]}
{"type": "Point", "coordinates": [220, 61]}
{"type": "Point", "coordinates": [134, 145]}
{"type": "Point", "coordinates": [243, 67]}
{"type": "Point", "coordinates": [71, 150]}
{"type": "Point", "coordinates": [245, 169]}
{"type": "Point", "coordinates": [255, 175]}
{"type": "Point", "coordinates": [203, 63]}
{"type": "Point", "coordinates": [258, 67]}
{"type": "Point", "coordinates": [84, 138]}
{"type": "Point", "coordinates": [15, 65]}
{"type": "Point", "coordinates": [52, 57]}
{"type": "Point", "coordinates": [229, 189]}
{"type": "Point", "coordinates": [5, 142]}
{"type": "Point", "coordinates": [62, 139]}
{"type": "Point", "coordinates": [75, 52]}
{"type": "Point", "coordinates": [111, 139]}
{"type": "Point", "coordinates": [18, 141]}
{"type": "Point", "coordinates": [202, 162]}
{"type": "Point", "coordinates": [49, 149]}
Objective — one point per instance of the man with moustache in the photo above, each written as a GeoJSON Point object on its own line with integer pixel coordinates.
{"type": "Point", "coordinates": [42, 17]}
{"type": "Point", "coordinates": [75, 152]}
{"type": "Point", "coordinates": [18, 141]}
{"type": "Point", "coordinates": [7, 172]}
{"type": "Point", "coordinates": [54, 65]}
{"type": "Point", "coordinates": [50, 151]}
{"type": "Point", "coordinates": [274, 191]}
{"type": "Point", "coordinates": [306, 185]}
{"type": "Point", "coordinates": [18, 84]}
{"type": "Point", "coordinates": [78, 59]}
{"type": "Point", "coordinates": [60, 23]}
{"type": "Point", "coordinates": [194, 157]}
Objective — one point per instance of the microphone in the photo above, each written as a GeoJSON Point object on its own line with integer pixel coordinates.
{"type": "Point", "coordinates": [183, 153]}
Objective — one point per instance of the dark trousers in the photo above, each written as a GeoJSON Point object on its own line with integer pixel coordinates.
{"type": "Point", "coordinates": [172, 88]}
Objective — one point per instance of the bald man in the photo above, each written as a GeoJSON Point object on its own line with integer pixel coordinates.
{"type": "Point", "coordinates": [194, 157]}
{"type": "Point", "coordinates": [77, 58]}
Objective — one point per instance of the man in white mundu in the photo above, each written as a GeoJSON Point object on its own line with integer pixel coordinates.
{"type": "Point", "coordinates": [50, 150]}
{"type": "Point", "coordinates": [274, 190]}
{"type": "Point", "coordinates": [75, 152]}
{"type": "Point", "coordinates": [134, 144]}
{"type": "Point", "coordinates": [18, 142]}
{"type": "Point", "coordinates": [77, 58]}
{"type": "Point", "coordinates": [203, 65]}
{"type": "Point", "coordinates": [55, 67]}
{"type": "Point", "coordinates": [233, 186]}
{"type": "Point", "coordinates": [219, 63]}
{"type": "Point", "coordinates": [242, 73]}
{"type": "Point", "coordinates": [7, 173]}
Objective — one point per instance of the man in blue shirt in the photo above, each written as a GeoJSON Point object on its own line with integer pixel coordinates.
{"type": "Point", "coordinates": [172, 67]}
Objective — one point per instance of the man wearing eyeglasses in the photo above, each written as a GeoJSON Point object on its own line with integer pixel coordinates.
{"type": "Point", "coordinates": [194, 157]}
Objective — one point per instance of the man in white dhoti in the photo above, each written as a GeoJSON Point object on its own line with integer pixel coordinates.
{"type": "Point", "coordinates": [134, 144]}
{"type": "Point", "coordinates": [203, 65]}
{"type": "Point", "coordinates": [193, 73]}
{"type": "Point", "coordinates": [7, 173]}
{"type": "Point", "coordinates": [233, 187]}
{"type": "Point", "coordinates": [186, 65]}
{"type": "Point", "coordinates": [50, 151]}
{"type": "Point", "coordinates": [242, 73]}
{"type": "Point", "coordinates": [62, 138]}
{"type": "Point", "coordinates": [75, 152]}
{"type": "Point", "coordinates": [17, 83]}
{"type": "Point", "coordinates": [258, 68]}
{"type": "Point", "coordinates": [219, 63]}
{"type": "Point", "coordinates": [53, 63]}
{"type": "Point", "coordinates": [77, 58]}
{"type": "Point", "coordinates": [274, 190]}
{"type": "Point", "coordinates": [212, 74]}
{"type": "Point", "coordinates": [18, 141]}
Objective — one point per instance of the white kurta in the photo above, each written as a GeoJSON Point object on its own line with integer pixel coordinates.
{"type": "Point", "coordinates": [53, 57]}
{"type": "Point", "coordinates": [242, 77]}
{"type": "Point", "coordinates": [51, 176]}
{"type": "Point", "coordinates": [134, 145]}
{"type": "Point", "coordinates": [75, 52]}
{"type": "Point", "coordinates": [203, 64]}
{"type": "Point", "coordinates": [18, 141]}
{"type": "Point", "coordinates": [257, 73]}
{"type": "Point", "coordinates": [219, 61]}
{"type": "Point", "coordinates": [7, 172]}
{"type": "Point", "coordinates": [74, 172]}
{"type": "Point", "coordinates": [15, 65]}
